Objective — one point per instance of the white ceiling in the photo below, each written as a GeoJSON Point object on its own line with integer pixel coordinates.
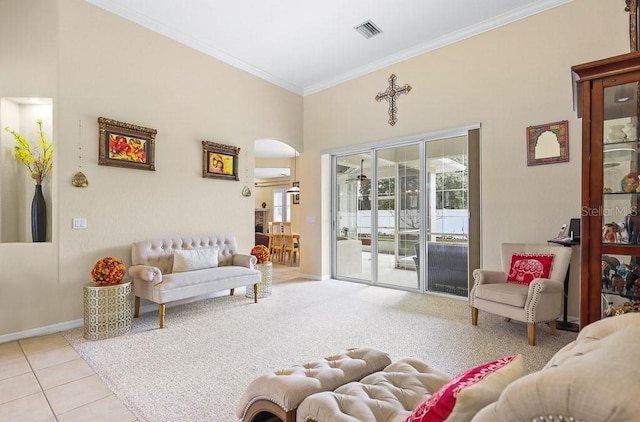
{"type": "Point", "coordinates": [306, 46]}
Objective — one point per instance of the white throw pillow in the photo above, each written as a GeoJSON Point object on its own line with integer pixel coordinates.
{"type": "Point", "coordinates": [194, 259]}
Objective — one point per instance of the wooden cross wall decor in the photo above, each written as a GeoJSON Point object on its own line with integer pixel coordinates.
{"type": "Point", "coordinates": [390, 95]}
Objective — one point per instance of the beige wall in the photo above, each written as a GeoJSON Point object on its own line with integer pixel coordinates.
{"type": "Point", "coordinates": [95, 64]}
{"type": "Point", "coordinates": [505, 79]}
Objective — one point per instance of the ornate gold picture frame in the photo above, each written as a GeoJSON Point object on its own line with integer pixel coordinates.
{"type": "Point", "coordinates": [125, 145]}
{"type": "Point", "coordinates": [219, 161]}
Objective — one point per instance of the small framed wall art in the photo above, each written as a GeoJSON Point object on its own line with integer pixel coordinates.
{"type": "Point", "coordinates": [219, 161]}
{"type": "Point", "coordinates": [126, 145]}
{"type": "Point", "coordinates": [548, 144]}
{"type": "Point", "coordinates": [295, 198]}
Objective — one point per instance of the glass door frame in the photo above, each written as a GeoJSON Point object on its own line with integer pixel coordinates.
{"type": "Point", "coordinates": [474, 186]}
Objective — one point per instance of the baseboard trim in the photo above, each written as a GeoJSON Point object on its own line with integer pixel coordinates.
{"type": "Point", "coordinates": [42, 331]}
{"type": "Point", "coordinates": [146, 307]}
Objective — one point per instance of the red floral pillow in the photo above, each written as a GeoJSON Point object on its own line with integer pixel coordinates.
{"type": "Point", "coordinates": [527, 267]}
{"type": "Point", "coordinates": [465, 394]}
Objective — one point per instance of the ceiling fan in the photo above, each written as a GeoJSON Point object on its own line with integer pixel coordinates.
{"type": "Point", "coordinates": [360, 177]}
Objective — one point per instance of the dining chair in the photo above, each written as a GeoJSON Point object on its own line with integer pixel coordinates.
{"type": "Point", "coordinates": [290, 248]}
{"type": "Point", "coordinates": [277, 247]}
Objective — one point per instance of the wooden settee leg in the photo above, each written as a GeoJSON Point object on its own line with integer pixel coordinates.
{"type": "Point", "coordinates": [136, 308]}
{"type": "Point", "coordinates": [232, 292]}
{"type": "Point", "coordinates": [531, 334]}
{"type": "Point", "coordinates": [474, 316]}
{"type": "Point", "coordinates": [255, 293]}
{"type": "Point", "coordinates": [161, 314]}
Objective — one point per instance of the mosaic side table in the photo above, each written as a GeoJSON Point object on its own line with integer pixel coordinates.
{"type": "Point", "coordinates": [266, 276]}
{"type": "Point", "coordinates": [107, 310]}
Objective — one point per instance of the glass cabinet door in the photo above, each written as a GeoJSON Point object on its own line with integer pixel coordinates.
{"type": "Point", "coordinates": [620, 199]}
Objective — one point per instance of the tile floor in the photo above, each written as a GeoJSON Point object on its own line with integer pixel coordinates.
{"type": "Point", "coordinates": [44, 379]}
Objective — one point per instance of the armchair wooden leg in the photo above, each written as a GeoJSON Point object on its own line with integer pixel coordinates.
{"type": "Point", "coordinates": [474, 316]}
{"type": "Point", "coordinates": [531, 334]}
{"type": "Point", "coordinates": [136, 308]}
{"type": "Point", "coordinates": [255, 293]}
{"type": "Point", "coordinates": [552, 326]}
{"type": "Point", "coordinates": [161, 314]}
{"type": "Point", "coordinates": [232, 292]}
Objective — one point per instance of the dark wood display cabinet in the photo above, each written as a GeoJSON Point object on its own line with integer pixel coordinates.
{"type": "Point", "coordinates": [608, 103]}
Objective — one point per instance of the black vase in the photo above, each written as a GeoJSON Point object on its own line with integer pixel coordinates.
{"type": "Point", "coordinates": [38, 216]}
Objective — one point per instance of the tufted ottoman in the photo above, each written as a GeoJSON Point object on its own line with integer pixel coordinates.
{"type": "Point", "coordinates": [389, 395]}
{"type": "Point", "coordinates": [277, 395]}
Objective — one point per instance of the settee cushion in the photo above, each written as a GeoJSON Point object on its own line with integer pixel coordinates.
{"type": "Point", "coordinates": [462, 397]}
{"type": "Point", "coordinates": [389, 395]}
{"type": "Point", "coordinates": [527, 267]}
{"type": "Point", "coordinates": [288, 387]}
{"type": "Point", "coordinates": [194, 259]}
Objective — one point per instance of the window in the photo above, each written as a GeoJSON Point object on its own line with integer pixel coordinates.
{"type": "Point", "coordinates": [451, 185]}
{"type": "Point", "coordinates": [281, 205]}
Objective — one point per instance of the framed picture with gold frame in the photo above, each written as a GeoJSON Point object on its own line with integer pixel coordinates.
{"type": "Point", "coordinates": [219, 161]}
{"type": "Point", "coordinates": [295, 198]}
{"type": "Point", "coordinates": [548, 143]}
{"type": "Point", "coordinates": [125, 145]}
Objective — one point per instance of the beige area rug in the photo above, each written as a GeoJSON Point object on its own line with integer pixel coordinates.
{"type": "Point", "coordinates": [198, 366]}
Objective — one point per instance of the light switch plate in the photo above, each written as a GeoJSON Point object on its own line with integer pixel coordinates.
{"type": "Point", "coordinates": [79, 223]}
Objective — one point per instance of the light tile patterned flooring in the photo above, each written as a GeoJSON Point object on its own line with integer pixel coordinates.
{"type": "Point", "coordinates": [43, 379]}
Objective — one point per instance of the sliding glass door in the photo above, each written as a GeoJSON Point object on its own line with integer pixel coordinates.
{"type": "Point", "coordinates": [447, 239]}
{"type": "Point", "coordinates": [352, 220]}
{"type": "Point", "coordinates": [401, 215]}
{"type": "Point", "coordinates": [398, 215]}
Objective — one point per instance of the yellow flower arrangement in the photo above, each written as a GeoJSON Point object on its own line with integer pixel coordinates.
{"type": "Point", "coordinates": [261, 252]}
{"type": "Point", "coordinates": [109, 270]}
{"type": "Point", "coordinates": [38, 164]}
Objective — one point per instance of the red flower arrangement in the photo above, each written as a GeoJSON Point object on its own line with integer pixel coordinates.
{"type": "Point", "coordinates": [109, 270]}
{"type": "Point", "coordinates": [261, 252]}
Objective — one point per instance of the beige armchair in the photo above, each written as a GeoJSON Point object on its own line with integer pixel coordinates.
{"type": "Point", "coordinates": [540, 301]}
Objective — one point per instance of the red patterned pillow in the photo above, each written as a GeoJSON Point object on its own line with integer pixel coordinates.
{"type": "Point", "coordinates": [526, 267]}
{"type": "Point", "coordinates": [465, 394]}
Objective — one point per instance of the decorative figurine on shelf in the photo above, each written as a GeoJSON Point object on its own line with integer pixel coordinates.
{"type": "Point", "coordinates": [611, 233]}
{"type": "Point", "coordinates": [629, 183]}
{"type": "Point", "coordinates": [608, 266]}
{"type": "Point", "coordinates": [632, 226]}
{"type": "Point", "coordinates": [617, 283]}
{"type": "Point", "coordinates": [624, 234]}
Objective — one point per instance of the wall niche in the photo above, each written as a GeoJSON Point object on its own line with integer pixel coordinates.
{"type": "Point", "coordinates": [16, 185]}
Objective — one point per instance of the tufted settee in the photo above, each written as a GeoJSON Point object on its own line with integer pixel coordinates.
{"type": "Point", "coordinates": [166, 270]}
{"type": "Point", "coordinates": [594, 378]}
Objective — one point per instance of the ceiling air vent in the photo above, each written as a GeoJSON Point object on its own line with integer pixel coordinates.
{"type": "Point", "coordinates": [368, 29]}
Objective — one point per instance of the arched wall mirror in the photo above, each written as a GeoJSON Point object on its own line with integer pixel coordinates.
{"type": "Point", "coordinates": [547, 144]}
{"type": "Point", "coordinates": [16, 185]}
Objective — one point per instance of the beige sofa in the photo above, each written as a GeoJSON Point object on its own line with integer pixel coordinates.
{"type": "Point", "coordinates": [594, 378]}
{"type": "Point", "coordinates": [166, 270]}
